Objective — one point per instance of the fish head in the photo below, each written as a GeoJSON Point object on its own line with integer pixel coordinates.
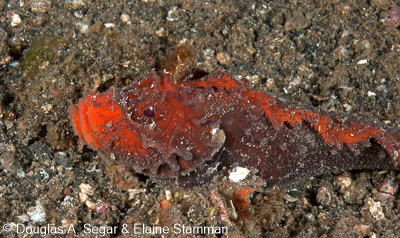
{"type": "Point", "coordinates": [158, 128]}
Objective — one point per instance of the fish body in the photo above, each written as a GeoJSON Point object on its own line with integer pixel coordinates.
{"type": "Point", "coordinates": [192, 130]}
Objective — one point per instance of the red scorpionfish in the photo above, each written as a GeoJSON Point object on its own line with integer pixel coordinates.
{"type": "Point", "coordinates": [187, 130]}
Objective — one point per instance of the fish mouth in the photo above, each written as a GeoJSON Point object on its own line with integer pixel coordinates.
{"type": "Point", "coordinates": [91, 119]}
{"type": "Point", "coordinates": [82, 123]}
{"type": "Point", "coordinates": [76, 122]}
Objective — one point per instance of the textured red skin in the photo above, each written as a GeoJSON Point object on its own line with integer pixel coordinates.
{"type": "Point", "coordinates": [202, 125]}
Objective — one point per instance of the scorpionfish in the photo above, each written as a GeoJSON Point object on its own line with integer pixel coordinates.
{"type": "Point", "coordinates": [191, 130]}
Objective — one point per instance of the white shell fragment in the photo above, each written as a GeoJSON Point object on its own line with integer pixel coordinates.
{"type": "Point", "coordinates": [15, 20]}
{"type": "Point", "coordinates": [375, 209]}
{"type": "Point", "coordinates": [238, 174]}
{"type": "Point", "coordinates": [37, 213]}
{"type": "Point", "coordinates": [125, 18]}
{"type": "Point", "coordinates": [86, 189]}
{"type": "Point", "coordinates": [363, 61]}
{"type": "Point", "coordinates": [109, 25]}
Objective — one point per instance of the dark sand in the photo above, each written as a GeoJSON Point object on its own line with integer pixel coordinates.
{"type": "Point", "coordinates": [335, 55]}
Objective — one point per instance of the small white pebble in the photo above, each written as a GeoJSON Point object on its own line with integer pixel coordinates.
{"type": "Point", "coordinates": [47, 108]}
{"type": "Point", "coordinates": [83, 28]}
{"type": "Point", "coordinates": [91, 205]}
{"type": "Point", "coordinates": [132, 192]}
{"type": "Point", "coordinates": [125, 18]}
{"type": "Point", "coordinates": [270, 83]}
{"type": "Point", "coordinates": [371, 94]}
{"type": "Point", "coordinates": [112, 156]}
{"type": "Point", "coordinates": [173, 14]}
{"type": "Point", "coordinates": [78, 14]}
{"type": "Point", "coordinates": [347, 107]}
{"type": "Point", "coordinates": [223, 58]}
{"type": "Point", "coordinates": [183, 41]}
{"type": "Point", "coordinates": [20, 174]}
{"type": "Point", "coordinates": [68, 201]}
{"type": "Point", "coordinates": [109, 25]}
{"type": "Point", "coordinates": [86, 189]}
{"type": "Point", "coordinates": [126, 64]}
{"type": "Point", "coordinates": [363, 61]}
{"type": "Point", "coordinates": [290, 198]}
{"type": "Point", "coordinates": [15, 20]}
{"type": "Point", "coordinates": [37, 213]}
{"type": "Point", "coordinates": [344, 181]}
{"type": "Point", "coordinates": [375, 209]}
{"type": "Point", "coordinates": [168, 195]}
{"type": "Point", "coordinates": [253, 79]}
{"type": "Point", "coordinates": [161, 32]}
{"type": "Point", "coordinates": [83, 197]}
{"type": "Point", "coordinates": [238, 174]}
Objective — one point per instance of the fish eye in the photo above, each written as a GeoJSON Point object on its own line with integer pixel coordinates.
{"type": "Point", "coordinates": [149, 112]}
